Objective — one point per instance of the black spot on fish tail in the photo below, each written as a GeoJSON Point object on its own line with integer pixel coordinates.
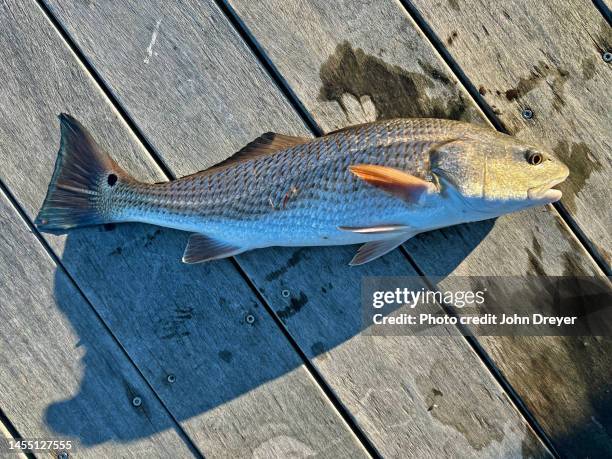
{"type": "Point", "coordinates": [581, 163]}
{"type": "Point", "coordinates": [393, 91]}
{"type": "Point", "coordinates": [295, 304]}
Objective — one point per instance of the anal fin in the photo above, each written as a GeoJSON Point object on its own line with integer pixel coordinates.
{"type": "Point", "coordinates": [375, 249]}
{"type": "Point", "coordinates": [202, 248]}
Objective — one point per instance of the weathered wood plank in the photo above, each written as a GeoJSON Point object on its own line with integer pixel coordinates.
{"type": "Point", "coordinates": [62, 375]}
{"type": "Point", "coordinates": [391, 401]}
{"type": "Point", "coordinates": [371, 58]}
{"type": "Point", "coordinates": [236, 388]}
{"type": "Point", "coordinates": [546, 57]}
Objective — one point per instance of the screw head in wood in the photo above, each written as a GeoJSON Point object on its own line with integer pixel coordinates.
{"type": "Point", "coordinates": [286, 293]}
{"type": "Point", "coordinates": [171, 378]}
{"type": "Point", "coordinates": [136, 401]}
{"type": "Point", "coordinates": [527, 113]}
{"type": "Point", "coordinates": [607, 56]}
{"type": "Point", "coordinates": [249, 319]}
{"type": "Point", "coordinates": [62, 455]}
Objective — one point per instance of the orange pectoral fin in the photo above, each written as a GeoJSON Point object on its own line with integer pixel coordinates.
{"type": "Point", "coordinates": [393, 181]}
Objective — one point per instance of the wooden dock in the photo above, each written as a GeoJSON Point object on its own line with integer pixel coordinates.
{"type": "Point", "coordinates": [108, 340]}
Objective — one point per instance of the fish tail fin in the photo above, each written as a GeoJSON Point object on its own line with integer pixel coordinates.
{"type": "Point", "coordinates": [83, 182]}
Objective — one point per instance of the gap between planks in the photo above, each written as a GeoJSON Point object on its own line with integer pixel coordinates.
{"type": "Point", "coordinates": [319, 380]}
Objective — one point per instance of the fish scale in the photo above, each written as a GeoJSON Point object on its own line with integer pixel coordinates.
{"type": "Point", "coordinates": [328, 194]}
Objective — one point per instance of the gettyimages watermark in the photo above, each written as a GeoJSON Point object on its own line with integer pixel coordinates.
{"type": "Point", "coordinates": [487, 306]}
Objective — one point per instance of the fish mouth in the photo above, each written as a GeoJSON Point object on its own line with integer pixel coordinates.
{"type": "Point", "coordinates": [546, 193]}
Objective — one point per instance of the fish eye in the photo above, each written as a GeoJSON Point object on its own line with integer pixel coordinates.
{"type": "Point", "coordinates": [534, 158]}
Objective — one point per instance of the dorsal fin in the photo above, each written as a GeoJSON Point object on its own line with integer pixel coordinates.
{"type": "Point", "coordinates": [263, 145]}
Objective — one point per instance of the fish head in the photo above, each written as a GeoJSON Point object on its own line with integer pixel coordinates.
{"type": "Point", "coordinates": [497, 174]}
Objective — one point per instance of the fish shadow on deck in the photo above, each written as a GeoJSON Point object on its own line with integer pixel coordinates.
{"type": "Point", "coordinates": [187, 327]}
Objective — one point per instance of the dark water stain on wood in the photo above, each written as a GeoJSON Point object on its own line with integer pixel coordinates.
{"type": "Point", "coordinates": [394, 91]}
{"type": "Point", "coordinates": [553, 367]}
{"type": "Point", "coordinates": [588, 67]}
{"type": "Point", "coordinates": [432, 398]}
{"type": "Point", "coordinates": [434, 73]}
{"type": "Point", "coordinates": [542, 72]}
{"type": "Point", "coordinates": [454, 4]}
{"type": "Point", "coordinates": [327, 287]}
{"type": "Point", "coordinates": [226, 356]}
{"type": "Point", "coordinates": [295, 304]}
{"type": "Point", "coordinates": [534, 257]}
{"type": "Point", "coordinates": [531, 448]}
{"type": "Point", "coordinates": [537, 247]}
{"type": "Point", "coordinates": [603, 39]}
{"type": "Point", "coordinates": [451, 37]}
{"type": "Point", "coordinates": [175, 327]}
{"type": "Point", "coordinates": [295, 258]}
{"type": "Point", "coordinates": [480, 428]}
{"type": "Point", "coordinates": [151, 237]}
{"type": "Point", "coordinates": [573, 265]}
{"type": "Point", "coordinates": [582, 163]}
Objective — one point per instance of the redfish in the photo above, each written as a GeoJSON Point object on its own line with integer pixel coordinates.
{"type": "Point", "coordinates": [377, 184]}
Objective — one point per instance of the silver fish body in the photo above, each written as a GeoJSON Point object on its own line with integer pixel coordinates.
{"type": "Point", "coordinates": [380, 182]}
